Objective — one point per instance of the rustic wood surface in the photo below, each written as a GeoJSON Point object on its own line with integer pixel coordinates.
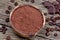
{"type": "Point", "coordinates": [3, 6]}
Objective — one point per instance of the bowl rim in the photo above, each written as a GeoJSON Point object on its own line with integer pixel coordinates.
{"type": "Point", "coordinates": [37, 7]}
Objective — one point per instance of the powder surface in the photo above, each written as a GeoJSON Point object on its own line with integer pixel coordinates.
{"type": "Point", "coordinates": [27, 19]}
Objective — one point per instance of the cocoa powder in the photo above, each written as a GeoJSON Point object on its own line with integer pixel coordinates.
{"type": "Point", "coordinates": [27, 19]}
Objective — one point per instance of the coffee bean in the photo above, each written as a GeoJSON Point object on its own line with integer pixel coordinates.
{"type": "Point", "coordinates": [52, 29]}
{"type": "Point", "coordinates": [32, 1]}
{"type": "Point", "coordinates": [45, 14]}
{"type": "Point", "coordinates": [55, 34]}
{"type": "Point", "coordinates": [57, 18]}
{"type": "Point", "coordinates": [0, 29]}
{"type": "Point", "coordinates": [57, 29]}
{"type": "Point", "coordinates": [47, 33]}
{"type": "Point", "coordinates": [12, 1]}
{"type": "Point", "coordinates": [3, 26]}
{"type": "Point", "coordinates": [51, 13]}
{"type": "Point", "coordinates": [47, 29]}
{"type": "Point", "coordinates": [8, 38]}
{"type": "Point", "coordinates": [52, 23]}
{"type": "Point", "coordinates": [4, 30]}
{"type": "Point", "coordinates": [7, 12]}
{"type": "Point", "coordinates": [9, 7]}
{"type": "Point", "coordinates": [15, 3]}
{"type": "Point", "coordinates": [27, 0]}
{"type": "Point", "coordinates": [53, 20]}
{"type": "Point", "coordinates": [56, 12]}
{"type": "Point", "coordinates": [58, 24]}
{"type": "Point", "coordinates": [7, 19]}
{"type": "Point", "coordinates": [47, 19]}
{"type": "Point", "coordinates": [47, 3]}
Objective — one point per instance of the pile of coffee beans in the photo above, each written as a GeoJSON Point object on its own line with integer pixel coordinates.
{"type": "Point", "coordinates": [53, 8]}
{"type": "Point", "coordinates": [48, 30]}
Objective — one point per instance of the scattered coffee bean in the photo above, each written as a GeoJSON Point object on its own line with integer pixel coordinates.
{"type": "Point", "coordinates": [47, 3]}
{"type": "Point", "coordinates": [52, 19]}
{"type": "Point", "coordinates": [9, 7]}
{"type": "Point", "coordinates": [8, 38]}
{"type": "Point", "coordinates": [58, 24]}
{"type": "Point", "coordinates": [7, 19]}
{"type": "Point", "coordinates": [15, 3]}
{"type": "Point", "coordinates": [3, 26]}
{"type": "Point", "coordinates": [45, 14]}
{"type": "Point", "coordinates": [50, 23]}
{"type": "Point", "coordinates": [47, 29]}
{"type": "Point", "coordinates": [12, 1]}
{"type": "Point", "coordinates": [58, 1]}
{"type": "Point", "coordinates": [56, 12]}
{"type": "Point", "coordinates": [51, 13]}
{"type": "Point", "coordinates": [7, 12]}
{"type": "Point", "coordinates": [47, 33]}
{"type": "Point", "coordinates": [27, 0]}
{"type": "Point", "coordinates": [4, 30]}
{"type": "Point", "coordinates": [52, 29]}
{"type": "Point", "coordinates": [57, 29]}
{"type": "Point", "coordinates": [32, 1]}
{"type": "Point", "coordinates": [54, 23]}
{"type": "Point", "coordinates": [55, 34]}
{"type": "Point", "coordinates": [47, 19]}
{"type": "Point", "coordinates": [57, 18]}
{"type": "Point", "coordinates": [0, 29]}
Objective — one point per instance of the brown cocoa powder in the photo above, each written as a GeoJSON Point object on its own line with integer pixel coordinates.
{"type": "Point", "coordinates": [27, 19]}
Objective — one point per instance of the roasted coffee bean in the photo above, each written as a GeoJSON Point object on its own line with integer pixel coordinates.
{"type": "Point", "coordinates": [58, 1]}
{"type": "Point", "coordinates": [4, 30]}
{"type": "Point", "coordinates": [47, 29]}
{"type": "Point", "coordinates": [15, 3]}
{"type": "Point", "coordinates": [0, 29]}
{"type": "Point", "coordinates": [47, 3]}
{"type": "Point", "coordinates": [3, 26]}
{"type": "Point", "coordinates": [7, 12]}
{"type": "Point", "coordinates": [53, 20]}
{"type": "Point", "coordinates": [7, 19]}
{"type": "Point", "coordinates": [55, 3]}
{"type": "Point", "coordinates": [58, 24]}
{"type": "Point", "coordinates": [47, 33]}
{"type": "Point", "coordinates": [58, 29]}
{"type": "Point", "coordinates": [51, 10]}
{"type": "Point", "coordinates": [51, 13]}
{"type": "Point", "coordinates": [8, 38]}
{"type": "Point", "coordinates": [45, 14]}
{"type": "Point", "coordinates": [57, 18]}
{"type": "Point", "coordinates": [52, 29]}
{"type": "Point", "coordinates": [52, 23]}
{"type": "Point", "coordinates": [55, 34]}
{"type": "Point", "coordinates": [12, 1]}
{"type": "Point", "coordinates": [27, 0]}
{"type": "Point", "coordinates": [56, 12]}
{"type": "Point", "coordinates": [32, 1]}
{"type": "Point", "coordinates": [9, 7]}
{"type": "Point", "coordinates": [47, 19]}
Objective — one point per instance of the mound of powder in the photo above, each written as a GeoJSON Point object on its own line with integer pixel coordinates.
{"type": "Point", "coordinates": [27, 19]}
